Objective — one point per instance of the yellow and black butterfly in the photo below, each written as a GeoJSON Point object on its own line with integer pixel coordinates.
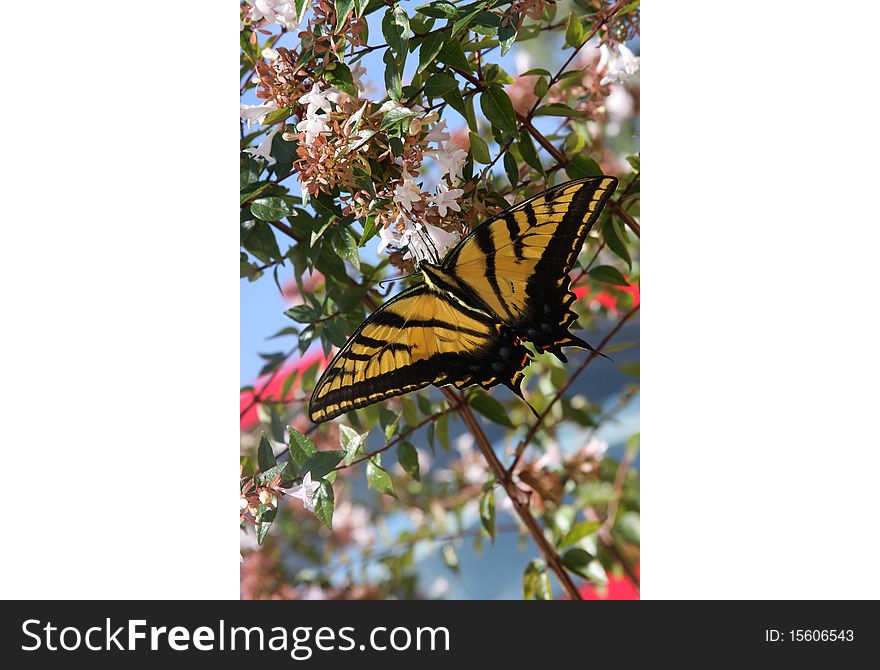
{"type": "Point", "coordinates": [505, 283]}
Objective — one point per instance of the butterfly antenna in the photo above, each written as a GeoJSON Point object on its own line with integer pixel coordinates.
{"type": "Point", "coordinates": [391, 279]}
{"type": "Point", "coordinates": [575, 341]}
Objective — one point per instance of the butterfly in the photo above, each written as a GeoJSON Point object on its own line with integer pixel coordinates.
{"type": "Point", "coordinates": [465, 324]}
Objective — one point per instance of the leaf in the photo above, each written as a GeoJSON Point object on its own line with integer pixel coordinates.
{"type": "Point", "coordinates": [396, 115]}
{"type": "Point", "coordinates": [577, 561]}
{"type": "Point", "coordinates": [301, 7]}
{"type": "Point", "coordinates": [578, 532]}
{"type": "Point", "coordinates": [450, 556]}
{"type": "Point", "coordinates": [536, 581]}
{"type": "Point", "coordinates": [395, 29]}
{"type": "Point", "coordinates": [321, 463]}
{"type": "Point", "coordinates": [249, 170]}
{"type": "Point", "coordinates": [272, 208]}
{"type": "Point", "coordinates": [511, 168]}
{"type": "Point", "coordinates": [627, 526]}
{"type": "Point", "coordinates": [466, 20]}
{"type": "Point", "coordinates": [443, 431]}
{"type": "Point", "coordinates": [392, 76]}
{"type": "Point", "coordinates": [557, 109]}
{"type": "Point", "coordinates": [345, 244]}
{"type": "Point", "coordinates": [574, 31]}
{"type": "Point", "coordinates": [429, 49]}
{"type": "Point", "coordinates": [479, 149]}
{"type": "Point", "coordinates": [487, 509]}
{"type": "Point", "coordinates": [498, 109]}
{"type": "Point", "coordinates": [340, 77]}
{"type": "Point", "coordinates": [302, 313]}
{"type": "Point", "coordinates": [582, 165]}
{"type": "Point", "coordinates": [536, 71]}
{"type": "Point", "coordinates": [265, 517]}
{"type": "Point", "coordinates": [265, 455]}
{"type": "Point", "coordinates": [439, 10]}
{"type": "Point", "coordinates": [452, 54]}
{"type": "Point", "coordinates": [528, 151]}
{"type": "Point", "coordinates": [261, 242]}
{"type": "Point", "coordinates": [439, 84]}
{"type": "Point", "coordinates": [408, 458]}
{"type": "Point", "coordinates": [609, 275]}
{"type": "Point", "coordinates": [324, 503]}
{"type": "Point", "coordinates": [507, 31]}
{"type": "Point", "coordinates": [453, 99]}
{"type": "Point", "coordinates": [342, 7]}
{"type": "Point", "coordinates": [614, 237]}
{"type": "Point", "coordinates": [301, 447]}
{"type": "Point", "coordinates": [490, 408]}
{"type": "Point", "coordinates": [379, 479]}
{"type": "Point", "coordinates": [351, 442]}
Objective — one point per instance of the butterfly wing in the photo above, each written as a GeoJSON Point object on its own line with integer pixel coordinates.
{"type": "Point", "coordinates": [419, 337]}
{"type": "Point", "coordinates": [517, 263]}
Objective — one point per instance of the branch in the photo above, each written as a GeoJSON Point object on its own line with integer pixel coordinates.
{"type": "Point", "coordinates": [518, 497]}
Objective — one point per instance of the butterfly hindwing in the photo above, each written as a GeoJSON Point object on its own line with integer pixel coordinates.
{"type": "Point", "coordinates": [517, 264]}
{"type": "Point", "coordinates": [418, 338]}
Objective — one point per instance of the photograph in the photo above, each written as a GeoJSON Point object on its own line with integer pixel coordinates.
{"type": "Point", "coordinates": [439, 302]}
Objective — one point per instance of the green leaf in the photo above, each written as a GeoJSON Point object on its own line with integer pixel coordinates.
{"type": "Point", "coordinates": [453, 99]}
{"type": "Point", "coordinates": [614, 236]}
{"type": "Point", "coordinates": [452, 54]}
{"type": "Point", "coordinates": [609, 275]}
{"type": "Point", "coordinates": [511, 168]}
{"type": "Point", "coordinates": [396, 115]}
{"type": "Point", "coordinates": [392, 76]}
{"type": "Point", "coordinates": [498, 109]}
{"type": "Point", "coordinates": [490, 408]}
{"type": "Point", "coordinates": [465, 21]}
{"type": "Point", "coordinates": [528, 151]}
{"type": "Point", "coordinates": [395, 29]}
{"type": "Point", "coordinates": [321, 463]}
{"type": "Point", "coordinates": [351, 442]}
{"type": "Point", "coordinates": [301, 447]}
{"type": "Point", "coordinates": [249, 170]}
{"type": "Point", "coordinates": [379, 479]}
{"type": "Point", "coordinates": [536, 71]}
{"type": "Point", "coordinates": [443, 431]}
{"type": "Point", "coordinates": [345, 244]}
{"type": "Point", "coordinates": [487, 509]}
{"type": "Point", "coordinates": [265, 455]}
{"type": "Point", "coordinates": [582, 165]}
{"type": "Point", "coordinates": [272, 208]}
{"type": "Point", "coordinates": [340, 77]}
{"type": "Point", "coordinates": [536, 581]}
{"type": "Point", "coordinates": [301, 7]}
{"type": "Point", "coordinates": [507, 31]}
{"type": "Point", "coordinates": [479, 149]}
{"type": "Point", "coordinates": [627, 526]}
{"type": "Point", "coordinates": [577, 561]}
{"type": "Point", "coordinates": [265, 517]}
{"type": "Point", "coordinates": [557, 109]}
{"type": "Point", "coordinates": [439, 10]}
{"type": "Point", "coordinates": [261, 242]}
{"type": "Point", "coordinates": [574, 31]}
{"type": "Point", "coordinates": [450, 556]}
{"type": "Point", "coordinates": [439, 84]}
{"type": "Point", "coordinates": [343, 7]}
{"type": "Point", "coordinates": [302, 313]}
{"type": "Point", "coordinates": [578, 532]}
{"type": "Point", "coordinates": [324, 503]}
{"type": "Point", "coordinates": [408, 458]}
{"type": "Point", "coordinates": [541, 87]}
{"type": "Point", "coordinates": [429, 49]}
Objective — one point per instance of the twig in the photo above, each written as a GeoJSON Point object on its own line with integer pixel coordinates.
{"type": "Point", "coordinates": [518, 497]}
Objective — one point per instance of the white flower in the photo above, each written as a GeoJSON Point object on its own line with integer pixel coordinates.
{"type": "Point", "coordinates": [450, 157]}
{"type": "Point", "coordinates": [255, 113]}
{"type": "Point", "coordinates": [269, 54]}
{"type": "Point", "coordinates": [406, 194]}
{"type": "Point", "coordinates": [264, 148]}
{"type": "Point", "coordinates": [281, 12]}
{"type": "Point", "coordinates": [313, 125]}
{"type": "Point", "coordinates": [357, 73]}
{"type": "Point", "coordinates": [445, 198]}
{"type": "Point", "coordinates": [428, 243]}
{"type": "Point", "coordinates": [305, 492]}
{"type": "Point", "coordinates": [438, 133]}
{"type": "Point", "coordinates": [388, 235]}
{"type": "Point", "coordinates": [616, 66]}
{"type": "Point", "coordinates": [316, 99]}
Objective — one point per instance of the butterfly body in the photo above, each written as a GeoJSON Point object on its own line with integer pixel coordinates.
{"type": "Point", "coordinates": [507, 282]}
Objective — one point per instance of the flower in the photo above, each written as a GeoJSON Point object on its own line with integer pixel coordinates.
{"type": "Point", "coordinates": [255, 113]}
{"type": "Point", "coordinates": [406, 194]}
{"type": "Point", "coordinates": [269, 54]}
{"type": "Point", "coordinates": [305, 491]}
{"type": "Point", "coordinates": [265, 147]}
{"type": "Point", "coordinates": [438, 133]}
{"type": "Point", "coordinates": [445, 198]}
{"type": "Point", "coordinates": [281, 12]}
{"type": "Point", "coordinates": [313, 125]}
{"type": "Point", "coordinates": [616, 66]}
{"type": "Point", "coordinates": [451, 159]}
{"type": "Point", "coordinates": [316, 99]}
{"type": "Point", "coordinates": [357, 73]}
{"type": "Point", "coordinates": [426, 242]}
